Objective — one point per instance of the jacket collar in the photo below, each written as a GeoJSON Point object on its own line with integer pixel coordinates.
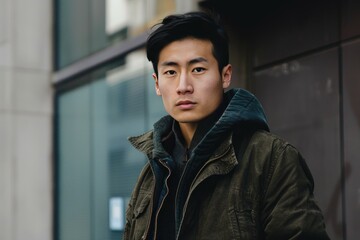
{"type": "Point", "coordinates": [243, 108]}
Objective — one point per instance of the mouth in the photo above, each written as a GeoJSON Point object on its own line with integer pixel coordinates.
{"type": "Point", "coordinates": [185, 104]}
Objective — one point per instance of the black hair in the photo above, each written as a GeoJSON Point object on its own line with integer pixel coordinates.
{"type": "Point", "coordinates": [200, 25]}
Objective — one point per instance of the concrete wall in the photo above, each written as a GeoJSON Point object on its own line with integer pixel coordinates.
{"type": "Point", "coordinates": [26, 114]}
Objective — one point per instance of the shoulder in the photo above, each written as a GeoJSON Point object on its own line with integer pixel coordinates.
{"type": "Point", "coordinates": [271, 152]}
{"type": "Point", "coordinates": [266, 137]}
{"type": "Point", "coordinates": [269, 142]}
{"type": "Point", "coordinates": [260, 146]}
{"type": "Point", "coordinates": [277, 156]}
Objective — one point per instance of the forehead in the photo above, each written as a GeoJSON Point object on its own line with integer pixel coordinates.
{"type": "Point", "coordinates": [185, 50]}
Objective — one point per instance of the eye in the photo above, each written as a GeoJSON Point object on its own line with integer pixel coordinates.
{"type": "Point", "coordinates": [199, 69]}
{"type": "Point", "coordinates": [170, 72]}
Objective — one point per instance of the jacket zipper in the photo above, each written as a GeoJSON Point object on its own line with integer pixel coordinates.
{"type": "Point", "coordinates": [187, 199]}
{"type": "Point", "coordinates": [162, 201]}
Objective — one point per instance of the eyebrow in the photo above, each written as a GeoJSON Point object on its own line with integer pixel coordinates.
{"type": "Point", "coordinates": [197, 60]}
{"type": "Point", "coordinates": [192, 61]}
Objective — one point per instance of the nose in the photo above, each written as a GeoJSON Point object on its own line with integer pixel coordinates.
{"type": "Point", "coordinates": [184, 84]}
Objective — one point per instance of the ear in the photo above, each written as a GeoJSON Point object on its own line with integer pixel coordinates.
{"type": "Point", "coordinates": [156, 84]}
{"type": "Point", "coordinates": [226, 76]}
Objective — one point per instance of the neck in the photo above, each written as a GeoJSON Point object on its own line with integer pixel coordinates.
{"type": "Point", "coordinates": [188, 130]}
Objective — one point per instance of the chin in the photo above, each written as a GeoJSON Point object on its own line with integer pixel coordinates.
{"type": "Point", "coordinates": [188, 119]}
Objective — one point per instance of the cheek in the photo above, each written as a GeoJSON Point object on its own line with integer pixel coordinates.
{"type": "Point", "coordinates": [161, 90]}
{"type": "Point", "coordinates": [165, 96]}
{"type": "Point", "coordinates": [163, 85]}
{"type": "Point", "coordinates": [167, 104]}
{"type": "Point", "coordinates": [213, 88]}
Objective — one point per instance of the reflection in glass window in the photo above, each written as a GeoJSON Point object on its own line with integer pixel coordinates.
{"type": "Point", "coordinates": [116, 19]}
{"type": "Point", "coordinates": [116, 16]}
{"type": "Point", "coordinates": [96, 164]}
{"type": "Point", "coordinates": [86, 26]}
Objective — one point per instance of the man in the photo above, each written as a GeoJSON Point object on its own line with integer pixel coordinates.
{"type": "Point", "coordinates": [214, 170]}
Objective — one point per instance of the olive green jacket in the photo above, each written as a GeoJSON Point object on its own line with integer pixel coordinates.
{"type": "Point", "coordinates": [256, 188]}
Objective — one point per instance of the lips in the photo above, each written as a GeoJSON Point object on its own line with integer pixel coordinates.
{"type": "Point", "coordinates": [185, 104]}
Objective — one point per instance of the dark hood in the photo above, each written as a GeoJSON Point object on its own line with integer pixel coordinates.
{"type": "Point", "coordinates": [242, 110]}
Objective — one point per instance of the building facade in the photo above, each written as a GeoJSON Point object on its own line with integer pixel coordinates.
{"type": "Point", "coordinates": [26, 116]}
{"type": "Point", "coordinates": [75, 83]}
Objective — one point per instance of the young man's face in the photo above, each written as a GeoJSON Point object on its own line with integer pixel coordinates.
{"type": "Point", "coordinates": [189, 81]}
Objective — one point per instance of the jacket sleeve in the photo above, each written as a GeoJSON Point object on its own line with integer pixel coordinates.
{"type": "Point", "coordinates": [290, 210]}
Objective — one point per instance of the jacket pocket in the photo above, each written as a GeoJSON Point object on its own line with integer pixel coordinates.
{"type": "Point", "coordinates": [140, 218]}
{"type": "Point", "coordinates": [242, 223]}
{"type": "Point", "coordinates": [142, 206]}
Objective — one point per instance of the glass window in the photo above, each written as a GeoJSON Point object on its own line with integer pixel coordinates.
{"type": "Point", "coordinates": [76, 24]}
{"type": "Point", "coordinates": [74, 167]}
{"type": "Point", "coordinates": [86, 26]}
{"type": "Point", "coordinates": [96, 165]}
